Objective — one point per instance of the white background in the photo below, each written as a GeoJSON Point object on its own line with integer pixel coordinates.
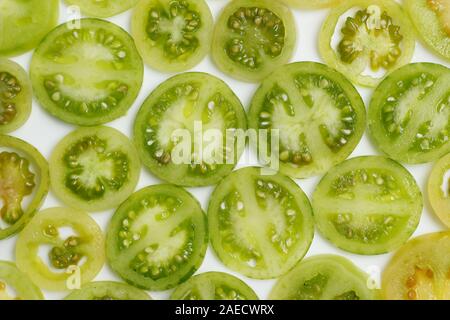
{"type": "Point", "coordinates": [44, 132]}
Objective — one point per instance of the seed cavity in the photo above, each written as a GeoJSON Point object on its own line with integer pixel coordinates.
{"type": "Point", "coordinates": [10, 88]}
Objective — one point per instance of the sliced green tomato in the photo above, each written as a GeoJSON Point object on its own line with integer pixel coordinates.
{"type": "Point", "coordinates": [94, 169]}
{"type": "Point", "coordinates": [439, 189]}
{"type": "Point", "coordinates": [253, 38]}
{"type": "Point", "coordinates": [72, 242]}
{"type": "Point", "coordinates": [15, 285]}
{"type": "Point", "coordinates": [312, 4]}
{"type": "Point", "coordinates": [24, 184]}
{"type": "Point", "coordinates": [420, 270]}
{"type": "Point", "coordinates": [432, 21]}
{"type": "Point", "coordinates": [103, 8]}
{"type": "Point", "coordinates": [214, 286]}
{"type": "Point", "coordinates": [157, 238]}
{"type": "Point", "coordinates": [107, 290]}
{"type": "Point", "coordinates": [182, 128]}
{"type": "Point", "coordinates": [172, 35]}
{"type": "Point", "coordinates": [87, 72]}
{"type": "Point", "coordinates": [374, 38]}
{"type": "Point", "coordinates": [260, 224]}
{"type": "Point", "coordinates": [323, 277]}
{"type": "Point", "coordinates": [367, 205]}
{"type": "Point", "coordinates": [319, 115]}
{"type": "Point", "coordinates": [23, 24]}
{"type": "Point", "coordinates": [15, 96]}
{"type": "Point", "coordinates": [409, 115]}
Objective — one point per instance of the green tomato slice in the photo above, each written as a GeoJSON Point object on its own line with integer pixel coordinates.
{"type": "Point", "coordinates": [420, 270]}
{"type": "Point", "coordinates": [15, 96]}
{"type": "Point", "coordinates": [253, 38]}
{"type": "Point", "coordinates": [172, 35]}
{"type": "Point", "coordinates": [87, 72]}
{"type": "Point", "coordinates": [183, 127]}
{"type": "Point", "coordinates": [319, 115]}
{"type": "Point", "coordinates": [214, 286]}
{"type": "Point", "coordinates": [71, 260]}
{"type": "Point", "coordinates": [94, 168]}
{"type": "Point", "coordinates": [23, 24]}
{"type": "Point", "coordinates": [260, 225]}
{"type": "Point", "coordinates": [24, 184]}
{"type": "Point", "coordinates": [103, 8]}
{"type": "Point", "coordinates": [432, 21]}
{"type": "Point", "coordinates": [409, 115]}
{"type": "Point", "coordinates": [323, 277]}
{"type": "Point", "coordinates": [107, 290]}
{"type": "Point", "coordinates": [367, 205]}
{"type": "Point", "coordinates": [15, 285]}
{"type": "Point", "coordinates": [368, 44]}
{"type": "Point", "coordinates": [312, 4]}
{"type": "Point", "coordinates": [439, 189]}
{"type": "Point", "coordinates": [157, 238]}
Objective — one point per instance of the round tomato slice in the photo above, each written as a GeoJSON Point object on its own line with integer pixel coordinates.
{"type": "Point", "coordinates": [186, 130]}
{"type": "Point", "coordinates": [94, 168]}
{"type": "Point", "coordinates": [15, 285]}
{"type": "Point", "coordinates": [367, 205]}
{"type": "Point", "coordinates": [439, 189]}
{"type": "Point", "coordinates": [253, 38]}
{"type": "Point", "coordinates": [409, 115]}
{"type": "Point", "coordinates": [24, 184]}
{"type": "Point", "coordinates": [103, 8]}
{"type": "Point", "coordinates": [157, 238]}
{"type": "Point", "coordinates": [420, 270]}
{"type": "Point", "coordinates": [15, 96]}
{"type": "Point", "coordinates": [374, 39]}
{"type": "Point", "coordinates": [23, 24]}
{"type": "Point", "coordinates": [312, 4]}
{"type": "Point", "coordinates": [72, 242]}
{"type": "Point", "coordinates": [323, 277]}
{"type": "Point", "coordinates": [214, 286]}
{"type": "Point", "coordinates": [87, 72]}
{"type": "Point", "coordinates": [172, 35]}
{"type": "Point", "coordinates": [107, 290]}
{"type": "Point", "coordinates": [432, 21]}
{"type": "Point", "coordinates": [260, 224]}
{"type": "Point", "coordinates": [319, 115]}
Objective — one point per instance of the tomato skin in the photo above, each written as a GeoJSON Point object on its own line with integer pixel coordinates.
{"type": "Point", "coordinates": [19, 281]}
{"type": "Point", "coordinates": [355, 188]}
{"type": "Point", "coordinates": [419, 270]}
{"type": "Point", "coordinates": [312, 4]}
{"type": "Point", "coordinates": [214, 286]}
{"type": "Point", "coordinates": [92, 9]}
{"type": "Point", "coordinates": [332, 58]}
{"type": "Point", "coordinates": [42, 171]}
{"type": "Point", "coordinates": [341, 280]}
{"type": "Point", "coordinates": [439, 200]}
{"type": "Point", "coordinates": [428, 26]}
{"type": "Point", "coordinates": [149, 199]}
{"type": "Point", "coordinates": [109, 82]}
{"type": "Point", "coordinates": [402, 147]}
{"type": "Point", "coordinates": [238, 253]}
{"type": "Point", "coordinates": [41, 18]}
{"type": "Point", "coordinates": [23, 99]}
{"type": "Point", "coordinates": [221, 34]}
{"type": "Point", "coordinates": [157, 57]}
{"type": "Point", "coordinates": [107, 290]}
{"type": "Point", "coordinates": [35, 234]}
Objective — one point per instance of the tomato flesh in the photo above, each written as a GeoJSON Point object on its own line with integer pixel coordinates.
{"type": "Point", "coordinates": [103, 8]}
{"type": "Point", "coordinates": [260, 225]}
{"type": "Point", "coordinates": [214, 286]}
{"type": "Point", "coordinates": [367, 205]}
{"type": "Point", "coordinates": [323, 277]}
{"type": "Point", "coordinates": [439, 189]}
{"type": "Point", "coordinates": [19, 283]}
{"type": "Point", "coordinates": [88, 74]}
{"type": "Point", "coordinates": [420, 270]}
{"type": "Point", "coordinates": [107, 290]}
{"type": "Point", "coordinates": [312, 4]}
{"type": "Point", "coordinates": [157, 238]}
{"type": "Point", "coordinates": [409, 115]}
